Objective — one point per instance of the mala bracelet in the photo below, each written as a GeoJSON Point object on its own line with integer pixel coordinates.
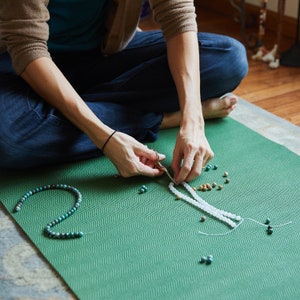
{"type": "Point", "coordinates": [47, 230]}
{"type": "Point", "coordinates": [108, 139]}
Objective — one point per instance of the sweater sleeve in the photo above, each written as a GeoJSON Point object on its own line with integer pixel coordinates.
{"type": "Point", "coordinates": [24, 30]}
{"type": "Point", "coordinates": [174, 16]}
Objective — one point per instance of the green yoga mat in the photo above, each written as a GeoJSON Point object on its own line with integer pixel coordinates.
{"type": "Point", "coordinates": [148, 246]}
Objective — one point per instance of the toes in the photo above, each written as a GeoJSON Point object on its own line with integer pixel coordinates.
{"type": "Point", "coordinates": [229, 100]}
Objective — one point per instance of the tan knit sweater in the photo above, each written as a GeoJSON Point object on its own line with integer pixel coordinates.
{"type": "Point", "coordinates": [24, 30]}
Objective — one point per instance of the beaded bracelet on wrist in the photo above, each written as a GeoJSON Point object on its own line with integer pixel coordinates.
{"type": "Point", "coordinates": [47, 230]}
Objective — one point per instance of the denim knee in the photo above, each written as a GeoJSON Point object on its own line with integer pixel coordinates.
{"type": "Point", "coordinates": [223, 63]}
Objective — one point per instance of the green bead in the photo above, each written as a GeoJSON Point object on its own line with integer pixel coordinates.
{"type": "Point", "coordinates": [269, 230]}
{"type": "Point", "coordinates": [267, 222]}
{"type": "Point", "coordinates": [203, 260]}
{"type": "Point", "coordinates": [207, 168]}
{"type": "Point", "coordinates": [209, 259]}
{"type": "Point", "coordinates": [143, 189]}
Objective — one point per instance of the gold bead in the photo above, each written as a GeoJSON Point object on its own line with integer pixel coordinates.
{"type": "Point", "coordinates": [208, 186]}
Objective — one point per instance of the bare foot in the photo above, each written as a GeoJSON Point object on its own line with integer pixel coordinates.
{"type": "Point", "coordinates": [211, 108]}
{"type": "Point", "coordinates": [219, 107]}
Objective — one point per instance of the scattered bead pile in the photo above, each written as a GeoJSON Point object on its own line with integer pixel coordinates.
{"type": "Point", "coordinates": [209, 187]}
{"type": "Point", "coordinates": [47, 230]}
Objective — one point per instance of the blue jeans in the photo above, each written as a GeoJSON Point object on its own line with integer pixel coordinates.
{"type": "Point", "coordinates": [129, 91]}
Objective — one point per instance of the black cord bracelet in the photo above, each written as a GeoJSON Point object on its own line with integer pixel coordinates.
{"type": "Point", "coordinates": [108, 140]}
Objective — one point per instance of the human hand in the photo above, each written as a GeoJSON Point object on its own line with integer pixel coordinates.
{"type": "Point", "coordinates": [132, 158]}
{"type": "Point", "coordinates": [191, 153]}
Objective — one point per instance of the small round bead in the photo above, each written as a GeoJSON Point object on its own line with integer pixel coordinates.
{"type": "Point", "coordinates": [214, 184]}
{"type": "Point", "coordinates": [203, 260]}
{"type": "Point", "coordinates": [207, 168]}
{"type": "Point", "coordinates": [178, 198]}
{"type": "Point", "coordinates": [227, 180]}
{"type": "Point", "coordinates": [269, 230]}
{"type": "Point", "coordinates": [208, 186]}
{"type": "Point", "coordinates": [225, 174]}
{"type": "Point", "coordinates": [17, 208]}
{"type": "Point", "coordinates": [215, 167]}
{"type": "Point", "coordinates": [200, 188]}
{"type": "Point", "coordinates": [209, 259]}
{"type": "Point", "coordinates": [220, 187]}
{"type": "Point", "coordinates": [267, 222]}
{"type": "Point", "coordinates": [79, 234]}
{"type": "Point", "coordinates": [203, 219]}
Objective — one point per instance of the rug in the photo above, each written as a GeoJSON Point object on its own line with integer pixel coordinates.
{"type": "Point", "coordinates": [148, 246]}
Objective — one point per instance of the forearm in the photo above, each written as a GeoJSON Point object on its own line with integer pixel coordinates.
{"type": "Point", "coordinates": [47, 80]}
{"type": "Point", "coordinates": [183, 56]}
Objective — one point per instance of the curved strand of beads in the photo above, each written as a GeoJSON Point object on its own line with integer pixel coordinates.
{"type": "Point", "coordinates": [197, 201]}
{"type": "Point", "coordinates": [47, 230]}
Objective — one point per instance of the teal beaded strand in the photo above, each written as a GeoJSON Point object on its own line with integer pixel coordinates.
{"type": "Point", "coordinates": [47, 230]}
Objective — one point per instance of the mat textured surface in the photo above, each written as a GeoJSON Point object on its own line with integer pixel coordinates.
{"type": "Point", "coordinates": [148, 246]}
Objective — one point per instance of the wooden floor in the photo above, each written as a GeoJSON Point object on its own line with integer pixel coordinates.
{"type": "Point", "coordinates": [275, 90]}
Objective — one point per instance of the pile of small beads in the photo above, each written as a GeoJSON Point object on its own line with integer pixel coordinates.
{"type": "Point", "coordinates": [47, 230]}
{"type": "Point", "coordinates": [207, 186]}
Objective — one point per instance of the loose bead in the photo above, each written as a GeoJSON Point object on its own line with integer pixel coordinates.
{"type": "Point", "coordinates": [215, 167]}
{"type": "Point", "coordinates": [207, 168]}
{"type": "Point", "coordinates": [269, 230]}
{"type": "Point", "coordinates": [203, 219]}
{"type": "Point", "coordinates": [209, 187]}
{"type": "Point", "coordinates": [267, 222]}
{"type": "Point", "coordinates": [220, 187]}
{"type": "Point", "coordinates": [203, 260]}
{"type": "Point", "coordinates": [227, 180]}
{"type": "Point", "coordinates": [214, 184]}
{"type": "Point", "coordinates": [225, 174]}
{"type": "Point", "coordinates": [209, 259]}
